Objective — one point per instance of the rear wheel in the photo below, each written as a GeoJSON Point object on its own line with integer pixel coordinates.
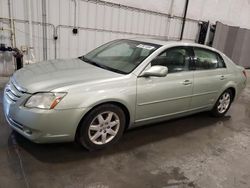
{"type": "Point", "coordinates": [223, 104]}
{"type": "Point", "coordinates": [102, 127]}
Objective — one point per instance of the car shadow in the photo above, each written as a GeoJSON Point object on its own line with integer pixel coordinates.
{"type": "Point", "coordinates": [133, 138]}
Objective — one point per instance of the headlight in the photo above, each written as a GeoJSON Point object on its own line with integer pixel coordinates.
{"type": "Point", "coordinates": [44, 100]}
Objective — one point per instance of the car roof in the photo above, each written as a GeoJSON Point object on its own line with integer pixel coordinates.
{"type": "Point", "coordinates": [174, 43]}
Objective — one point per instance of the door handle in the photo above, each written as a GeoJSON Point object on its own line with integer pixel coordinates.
{"type": "Point", "coordinates": [186, 82]}
{"type": "Point", "coordinates": [222, 77]}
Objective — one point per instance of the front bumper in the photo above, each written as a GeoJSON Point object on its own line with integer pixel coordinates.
{"type": "Point", "coordinates": [41, 126]}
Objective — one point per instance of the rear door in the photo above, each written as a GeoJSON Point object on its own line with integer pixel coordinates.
{"type": "Point", "coordinates": [210, 76]}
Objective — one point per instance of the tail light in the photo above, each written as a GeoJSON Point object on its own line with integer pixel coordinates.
{"type": "Point", "coordinates": [245, 73]}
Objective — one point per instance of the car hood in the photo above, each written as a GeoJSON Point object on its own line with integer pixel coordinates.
{"type": "Point", "coordinates": [49, 75]}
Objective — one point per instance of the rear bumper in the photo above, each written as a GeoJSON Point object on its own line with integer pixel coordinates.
{"type": "Point", "coordinates": [42, 126]}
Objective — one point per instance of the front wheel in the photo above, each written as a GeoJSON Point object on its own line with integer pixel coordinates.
{"type": "Point", "coordinates": [102, 127]}
{"type": "Point", "coordinates": [223, 104]}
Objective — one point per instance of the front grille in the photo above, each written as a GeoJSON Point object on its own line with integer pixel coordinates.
{"type": "Point", "coordinates": [13, 91]}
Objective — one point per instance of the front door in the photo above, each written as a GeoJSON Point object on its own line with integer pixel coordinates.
{"type": "Point", "coordinates": [164, 96]}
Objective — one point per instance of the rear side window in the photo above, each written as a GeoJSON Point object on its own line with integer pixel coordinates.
{"type": "Point", "coordinates": [221, 63]}
{"type": "Point", "coordinates": [206, 59]}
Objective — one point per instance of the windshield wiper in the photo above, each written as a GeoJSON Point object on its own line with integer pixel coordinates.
{"type": "Point", "coordinates": [99, 65]}
{"type": "Point", "coordinates": [83, 58]}
{"type": "Point", "coordinates": [90, 61]}
{"type": "Point", "coordinates": [93, 62]}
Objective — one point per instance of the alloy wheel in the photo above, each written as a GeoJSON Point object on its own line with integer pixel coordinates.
{"type": "Point", "coordinates": [224, 102]}
{"type": "Point", "coordinates": [104, 127]}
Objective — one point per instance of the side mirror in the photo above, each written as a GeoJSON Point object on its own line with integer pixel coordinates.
{"type": "Point", "coordinates": [157, 70]}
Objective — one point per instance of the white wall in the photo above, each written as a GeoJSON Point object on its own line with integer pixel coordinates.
{"type": "Point", "coordinates": [155, 5]}
{"type": "Point", "coordinates": [97, 22]}
{"type": "Point", "coordinates": [231, 12]}
{"type": "Point", "coordinates": [106, 23]}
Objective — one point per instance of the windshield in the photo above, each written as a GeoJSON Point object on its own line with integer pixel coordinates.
{"type": "Point", "coordinates": [121, 56]}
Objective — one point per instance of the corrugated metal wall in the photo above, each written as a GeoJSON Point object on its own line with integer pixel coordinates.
{"type": "Point", "coordinates": [97, 21]}
{"type": "Point", "coordinates": [234, 42]}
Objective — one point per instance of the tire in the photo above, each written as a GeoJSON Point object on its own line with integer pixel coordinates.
{"type": "Point", "coordinates": [102, 127]}
{"type": "Point", "coordinates": [223, 104]}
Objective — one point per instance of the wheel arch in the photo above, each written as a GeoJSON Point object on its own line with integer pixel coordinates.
{"type": "Point", "coordinates": [232, 86]}
{"type": "Point", "coordinates": [119, 104]}
{"type": "Point", "coordinates": [233, 90]}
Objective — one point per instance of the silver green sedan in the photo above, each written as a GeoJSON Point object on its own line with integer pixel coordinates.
{"type": "Point", "coordinates": [122, 84]}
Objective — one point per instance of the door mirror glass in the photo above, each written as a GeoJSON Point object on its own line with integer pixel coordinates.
{"type": "Point", "coordinates": [157, 71]}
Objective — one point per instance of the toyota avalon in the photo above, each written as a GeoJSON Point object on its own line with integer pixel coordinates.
{"type": "Point", "coordinates": [125, 83]}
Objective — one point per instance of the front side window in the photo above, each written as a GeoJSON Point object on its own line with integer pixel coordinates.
{"type": "Point", "coordinates": [121, 56]}
{"type": "Point", "coordinates": [176, 59]}
{"type": "Point", "coordinates": [206, 59]}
